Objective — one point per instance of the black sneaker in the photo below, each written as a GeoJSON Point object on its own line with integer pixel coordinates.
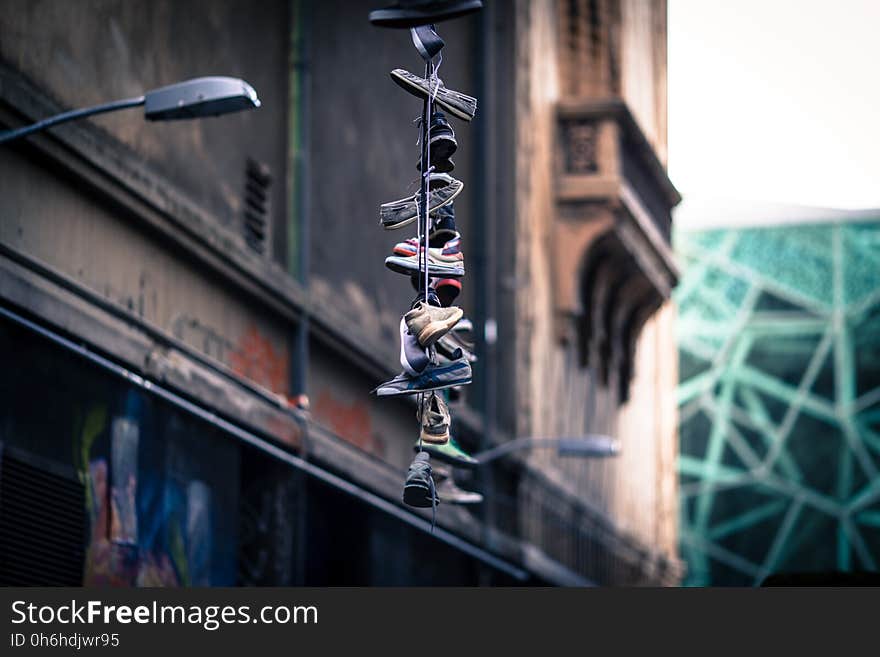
{"type": "Point", "coordinates": [405, 14]}
{"type": "Point", "coordinates": [427, 41]}
{"type": "Point", "coordinates": [441, 138]}
{"type": "Point", "coordinates": [443, 225]}
{"type": "Point", "coordinates": [419, 491]}
{"type": "Point", "coordinates": [440, 166]}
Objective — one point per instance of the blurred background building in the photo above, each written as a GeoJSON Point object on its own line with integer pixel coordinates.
{"type": "Point", "coordinates": [169, 292]}
{"type": "Point", "coordinates": [779, 398]}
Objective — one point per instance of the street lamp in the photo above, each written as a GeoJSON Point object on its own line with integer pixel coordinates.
{"type": "Point", "coordinates": [190, 99]}
{"type": "Point", "coordinates": [591, 446]}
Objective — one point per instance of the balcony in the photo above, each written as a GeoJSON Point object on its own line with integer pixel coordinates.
{"type": "Point", "coordinates": [613, 214]}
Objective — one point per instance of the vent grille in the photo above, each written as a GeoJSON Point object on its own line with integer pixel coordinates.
{"type": "Point", "coordinates": [256, 205]}
{"type": "Point", "coordinates": [42, 523]}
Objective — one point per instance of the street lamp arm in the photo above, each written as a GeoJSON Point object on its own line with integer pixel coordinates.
{"type": "Point", "coordinates": [508, 447]}
{"type": "Point", "coordinates": [592, 446]}
{"type": "Point", "coordinates": [9, 135]}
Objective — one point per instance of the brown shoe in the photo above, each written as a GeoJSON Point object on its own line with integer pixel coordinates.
{"type": "Point", "coordinates": [435, 420]}
{"type": "Point", "coordinates": [429, 323]}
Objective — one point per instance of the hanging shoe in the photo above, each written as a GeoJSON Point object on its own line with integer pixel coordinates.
{"type": "Point", "coordinates": [442, 144]}
{"type": "Point", "coordinates": [448, 349]}
{"type": "Point", "coordinates": [440, 166]}
{"type": "Point", "coordinates": [447, 290]}
{"type": "Point", "coordinates": [447, 264]}
{"type": "Point", "coordinates": [449, 453]}
{"type": "Point", "coordinates": [427, 41]}
{"type": "Point", "coordinates": [400, 213]}
{"type": "Point", "coordinates": [405, 14]}
{"type": "Point", "coordinates": [445, 261]}
{"type": "Point", "coordinates": [448, 491]}
{"type": "Point", "coordinates": [429, 323]}
{"type": "Point", "coordinates": [435, 419]}
{"type": "Point", "coordinates": [450, 246]}
{"type": "Point", "coordinates": [433, 377]}
{"type": "Point", "coordinates": [413, 358]}
{"type": "Point", "coordinates": [443, 226]}
{"type": "Point", "coordinates": [433, 299]}
{"type": "Point", "coordinates": [463, 334]}
{"type": "Point", "coordinates": [419, 491]}
{"type": "Point", "coordinates": [458, 104]}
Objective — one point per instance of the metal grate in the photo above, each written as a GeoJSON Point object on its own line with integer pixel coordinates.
{"type": "Point", "coordinates": [256, 205]}
{"type": "Point", "coordinates": [42, 522]}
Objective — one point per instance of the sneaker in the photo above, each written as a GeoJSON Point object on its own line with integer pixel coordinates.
{"type": "Point", "coordinates": [451, 348]}
{"type": "Point", "coordinates": [442, 242]}
{"type": "Point", "coordinates": [464, 334]}
{"type": "Point", "coordinates": [413, 358]}
{"type": "Point", "coordinates": [400, 213]}
{"type": "Point", "coordinates": [434, 377]}
{"type": "Point", "coordinates": [427, 41]}
{"type": "Point", "coordinates": [429, 323]}
{"type": "Point", "coordinates": [449, 453]}
{"type": "Point", "coordinates": [440, 166]}
{"type": "Point", "coordinates": [446, 265]}
{"type": "Point", "coordinates": [448, 491]}
{"type": "Point", "coordinates": [405, 14]}
{"type": "Point", "coordinates": [442, 144]}
{"type": "Point", "coordinates": [433, 299]}
{"type": "Point", "coordinates": [458, 104]}
{"type": "Point", "coordinates": [447, 290]}
{"type": "Point", "coordinates": [443, 227]}
{"type": "Point", "coordinates": [434, 417]}
{"type": "Point", "coordinates": [419, 491]}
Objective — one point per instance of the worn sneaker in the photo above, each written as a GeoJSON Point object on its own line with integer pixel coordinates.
{"type": "Point", "coordinates": [433, 299]}
{"type": "Point", "coordinates": [449, 453]}
{"type": "Point", "coordinates": [456, 103]}
{"type": "Point", "coordinates": [419, 491]}
{"type": "Point", "coordinates": [440, 166]}
{"type": "Point", "coordinates": [447, 290]}
{"type": "Point", "coordinates": [429, 323]}
{"type": "Point", "coordinates": [448, 349]}
{"type": "Point", "coordinates": [413, 358]}
{"type": "Point", "coordinates": [400, 213]}
{"type": "Point", "coordinates": [442, 144]}
{"type": "Point", "coordinates": [405, 14]}
{"type": "Point", "coordinates": [443, 226]}
{"type": "Point", "coordinates": [448, 491]}
{"type": "Point", "coordinates": [434, 377]}
{"type": "Point", "coordinates": [434, 417]}
{"type": "Point", "coordinates": [447, 265]}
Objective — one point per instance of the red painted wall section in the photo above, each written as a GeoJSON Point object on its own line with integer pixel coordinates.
{"type": "Point", "coordinates": [256, 358]}
{"type": "Point", "coordinates": [350, 421]}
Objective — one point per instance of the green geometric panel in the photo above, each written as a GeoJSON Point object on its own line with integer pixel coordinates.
{"type": "Point", "coordinates": [779, 400]}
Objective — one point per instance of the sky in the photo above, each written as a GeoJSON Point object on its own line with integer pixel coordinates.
{"type": "Point", "coordinates": [775, 100]}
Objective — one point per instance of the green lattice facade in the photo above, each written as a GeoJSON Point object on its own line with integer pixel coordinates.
{"type": "Point", "coordinates": [779, 400]}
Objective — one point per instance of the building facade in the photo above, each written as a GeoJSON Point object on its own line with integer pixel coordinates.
{"type": "Point", "coordinates": [172, 292]}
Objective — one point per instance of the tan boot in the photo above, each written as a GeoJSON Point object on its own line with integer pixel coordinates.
{"type": "Point", "coordinates": [429, 323]}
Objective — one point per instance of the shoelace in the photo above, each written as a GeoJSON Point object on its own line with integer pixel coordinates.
{"type": "Point", "coordinates": [424, 467]}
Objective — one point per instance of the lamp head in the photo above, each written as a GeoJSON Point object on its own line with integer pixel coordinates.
{"type": "Point", "coordinates": [199, 97]}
